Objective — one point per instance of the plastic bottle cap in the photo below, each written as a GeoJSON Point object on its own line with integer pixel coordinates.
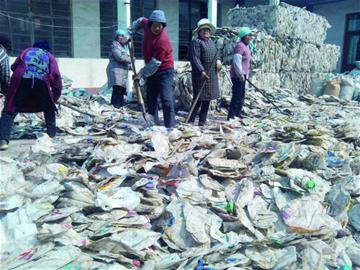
{"type": "Point", "coordinates": [310, 184]}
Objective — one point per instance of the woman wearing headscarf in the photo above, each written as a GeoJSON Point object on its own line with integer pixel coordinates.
{"type": "Point", "coordinates": [158, 72]}
{"type": "Point", "coordinates": [118, 68]}
{"type": "Point", "coordinates": [203, 54]}
{"type": "Point", "coordinates": [239, 71]}
{"type": "Point", "coordinates": [35, 86]}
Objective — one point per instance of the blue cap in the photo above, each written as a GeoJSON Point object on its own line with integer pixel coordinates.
{"type": "Point", "coordinates": [157, 16]}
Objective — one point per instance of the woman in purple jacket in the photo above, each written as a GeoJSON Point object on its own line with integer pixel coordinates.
{"type": "Point", "coordinates": [35, 86]}
{"type": "Point", "coordinates": [239, 71]}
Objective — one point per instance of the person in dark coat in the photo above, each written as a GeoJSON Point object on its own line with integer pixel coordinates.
{"type": "Point", "coordinates": [158, 72]}
{"type": "Point", "coordinates": [203, 52]}
{"type": "Point", "coordinates": [5, 47]}
{"type": "Point", "coordinates": [118, 68]}
{"type": "Point", "coordinates": [35, 86]}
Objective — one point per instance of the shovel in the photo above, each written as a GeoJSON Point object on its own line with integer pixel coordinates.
{"type": "Point", "coordinates": [137, 86]}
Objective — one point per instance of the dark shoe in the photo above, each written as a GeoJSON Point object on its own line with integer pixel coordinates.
{"type": "Point", "coordinates": [3, 145]}
{"type": "Point", "coordinates": [51, 132]}
{"type": "Point", "coordinates": [201, 124]}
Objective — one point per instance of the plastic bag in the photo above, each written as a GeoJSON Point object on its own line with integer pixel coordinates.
{"type": "Point", "coordinates": [333, 87]}
{"type": "Point", "coordinates": [354, 217]}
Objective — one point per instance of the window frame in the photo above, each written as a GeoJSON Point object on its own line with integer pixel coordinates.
{"type": "Point", "coordinates": [347, 36]}
{"type": "Point", "coordinates": [38, 31]}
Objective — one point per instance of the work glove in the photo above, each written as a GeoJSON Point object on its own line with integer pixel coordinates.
{"type": "Point", "coordinates": [218, 65]}
{"type": "Point", "coordinates": [204, 76]}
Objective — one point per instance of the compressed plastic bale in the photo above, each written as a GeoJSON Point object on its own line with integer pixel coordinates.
{"type": "Point", "coordinates": [333, 87]}
{"type": "Point", "coordinates": [283, 21]}
{"type": "Point", "coordinates": [354, 217]}
{"type": "Point", "coordinates": [275, 54]}
{"type": "Point", "coordinates": [298, 81]}
{"type": "Point", "coordinates": [264, 79]}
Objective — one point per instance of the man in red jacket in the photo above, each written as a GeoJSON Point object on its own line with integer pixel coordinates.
{"type": "Point", "coordinates": [158, 71]}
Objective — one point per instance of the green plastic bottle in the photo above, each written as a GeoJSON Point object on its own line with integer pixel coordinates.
{"type": "Point", "coordinates": [305, 183]}
{"type": "Point", "coordinates": [230, 207]}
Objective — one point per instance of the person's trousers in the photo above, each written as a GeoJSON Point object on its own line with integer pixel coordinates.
{"type": "Point", "coordinates": [161, 83]}
{"type": "Point", "coordinates": [204, 108]}
{"type": "Point", "coordinates": [117, 97]}
{"type": "Point", "coordinates": [36, 90]}
{"type": "Point", "coordinates": [237, 99]}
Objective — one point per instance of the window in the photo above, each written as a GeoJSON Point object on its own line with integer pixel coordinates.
{"type": "Point", "coordinates": [108, 24]}
{"type": "Point", "coordinates": [190, 12]}
{"type": "Point", "coordinates": [351, 51]}
{"type": "Point", "coordinates": [140, 8]}
{"type": "Point", "coordinates": [27, 21]}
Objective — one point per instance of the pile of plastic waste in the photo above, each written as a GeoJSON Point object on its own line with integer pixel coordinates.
{"type": "Point", "coordinates": [270, 191]}
{"type": "Point", "coordinates": [277, 189]}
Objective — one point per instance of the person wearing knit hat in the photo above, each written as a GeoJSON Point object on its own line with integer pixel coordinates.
{"type": "Point", "coordinates": [239, 71]}
{"type": "Point", "coordinates": [204, 73]}
{"type": "Point", "coordinates": [5, 46]}
{"type": "Point", "coordinates": [158, 72]}
{"type": "Point", "coordinates": [118, 68]}
{"type": "Point", "coordinates": [35, 86]}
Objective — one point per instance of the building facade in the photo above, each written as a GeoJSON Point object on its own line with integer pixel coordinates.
{"type": "Point", "coordinates": [81, 31]}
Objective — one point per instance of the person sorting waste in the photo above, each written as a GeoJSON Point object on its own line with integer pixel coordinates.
{"type": "Point", "coordinates": [118, 68]}
{"type": "Point", "coordinates": [158, 72]}
{"type": "Point", "coordinates": [204, 70]}
{"type": "Point", "coordinates": [239, 71]}
{"type": "Point", "coordinates": [35, 86]}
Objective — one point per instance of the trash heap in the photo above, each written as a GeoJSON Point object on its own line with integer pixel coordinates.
{"type": "Point", "coordinates": [289, 42]}
{"type": "Point", "coordinates": [271, 191]}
